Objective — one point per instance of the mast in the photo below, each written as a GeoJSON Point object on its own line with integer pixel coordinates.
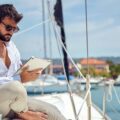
{"type": "Point", "coordinates": [59, 19]}
{"type": "Point", "coordinates": [44, 30]}
{"type": "Point", "coordinates": [50, 40]}
{"type": "Point", "coordinates": [88, 77]}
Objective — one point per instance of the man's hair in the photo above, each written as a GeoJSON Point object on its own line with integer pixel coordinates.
{"type": "Point", "coordinates": [8, 10]}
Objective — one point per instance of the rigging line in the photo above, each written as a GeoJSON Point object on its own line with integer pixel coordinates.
{"type": "Point", "coordinates": [50, 39]}
{"type": "Point", "coordinates": [49, 34]}
{"type": "Point", "coordinates": [44, 30]}
{"type": "Point", "coordinates": [67, 51]}
{"type": "Point", "coordinates": [52, 19]}
{"type": "Point", "coordinates": [70, 58]}
{"type": "Point", "coordinates": [69, 87]}
{"type": "Point", "coordinates": [109, 91]}
{"type": "Point", "coordinates": [111, 86]}
{"type": "Point", "coordinates": [118, 99]}
{"type": "Point", "coordinates": [62, 59]}
{"type": "Point", "coordinates": [84, 100]}
{"type": "Point", "coordinates": [87, 35]}
{"type": "Point", "coordinates": [81, 20]}
{"type": "Point", "coordinates": [68, 84]}
{"type": "Point", "coordinates": [30, 28]}
{"type": "Point", "coordinates": [76, 68]}
{"type": "Point", "coordinates": [88, 91]}
{"type": "Point", "coordinates": [69, 54]}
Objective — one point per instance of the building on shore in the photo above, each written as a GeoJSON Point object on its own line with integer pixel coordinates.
{"type": "Point", "coordinates": [99, 66]}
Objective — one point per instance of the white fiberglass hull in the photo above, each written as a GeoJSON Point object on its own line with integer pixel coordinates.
{"type": "Point", "coordinates": [63, 103]}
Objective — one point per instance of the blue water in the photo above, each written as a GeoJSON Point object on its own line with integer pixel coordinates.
{"type": "Point", "coordinates": [112, 107]}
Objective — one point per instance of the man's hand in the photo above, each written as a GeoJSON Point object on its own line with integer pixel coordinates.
{"type": "Point", "coordinates": [2, 49]}
{"type": "Point", "coordinates": [29, 115]}
{"type": "Point", "coordinates": [27, 75]}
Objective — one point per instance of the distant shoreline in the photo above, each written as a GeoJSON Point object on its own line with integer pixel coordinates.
{"type": "Point", "coordinates": [115, 60]}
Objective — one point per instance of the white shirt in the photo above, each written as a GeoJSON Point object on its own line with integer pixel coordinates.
{"type": "Point", "coordinates": [6, 74]}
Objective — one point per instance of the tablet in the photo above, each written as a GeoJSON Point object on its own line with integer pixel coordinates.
{"type": "Point", "coordinates": [35, 63]}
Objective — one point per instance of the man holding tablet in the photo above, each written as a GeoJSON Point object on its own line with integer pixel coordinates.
{"type": "Point", "coordinates": [13, 97]}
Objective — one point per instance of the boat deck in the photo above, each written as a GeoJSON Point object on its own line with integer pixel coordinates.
{"type": "Point", "coordinates": [63, 103]}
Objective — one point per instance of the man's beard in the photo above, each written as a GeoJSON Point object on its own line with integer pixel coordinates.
{"type": "Point", "coordinates": [5, 39]}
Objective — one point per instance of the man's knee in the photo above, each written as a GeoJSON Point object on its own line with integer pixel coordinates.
{"type": "Point", "coordinates": [17, 88]}
{"type": "Point", "coordinates": [19, 102]}
{"type": "Point", "coordinates": [14, 97]}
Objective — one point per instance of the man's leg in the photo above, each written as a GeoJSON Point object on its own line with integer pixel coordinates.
{"type": "Point", "coordinates": [52, 112]}
{"type": "Point", "coordinates": [13, 96]}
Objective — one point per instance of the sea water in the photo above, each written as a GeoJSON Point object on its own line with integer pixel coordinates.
{"type": "Point", "coordinates": [112, 101]}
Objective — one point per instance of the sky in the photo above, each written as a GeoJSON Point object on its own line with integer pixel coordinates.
{"type": "Point", "coordinates": [103, 28]}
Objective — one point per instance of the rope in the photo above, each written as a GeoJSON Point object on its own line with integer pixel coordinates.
{"type": "Point", "coordinates": [58, 44]}
{"type": "Point", "coordinates": [109, 95]}
{"type": "Point", "coordinates": [30, 28]}
{"type": "Point", "coordinates": [84, 100]}
{"type": "Point", "coordinates": [73, 64]}
{"type": "Point", "coordinates": [118, 99]}
{"type": "Point", "coordinates": [69, 87]}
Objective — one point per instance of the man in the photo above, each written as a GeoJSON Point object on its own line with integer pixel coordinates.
{"type": "Point", "coordinates": [13, 97]}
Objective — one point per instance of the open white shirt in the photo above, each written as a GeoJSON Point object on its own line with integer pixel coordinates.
{"type": "Point", "coordinates": [6, 74]}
